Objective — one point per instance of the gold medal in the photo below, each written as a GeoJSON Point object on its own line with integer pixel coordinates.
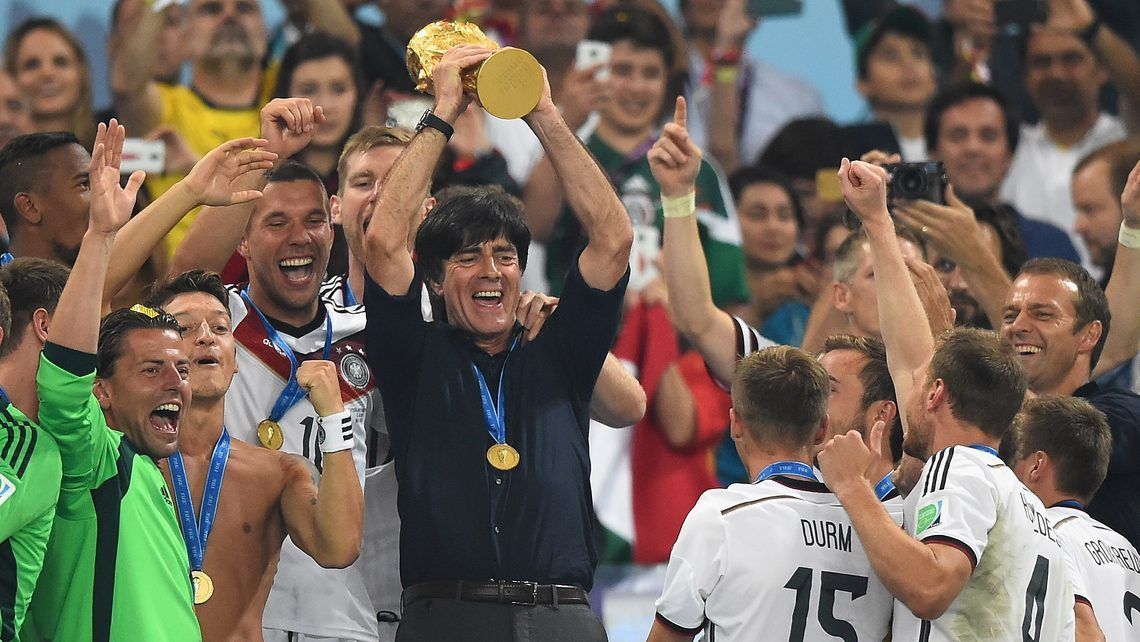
{"type": "Point", "coordinates": [270, 435]}
{"type": "Point", "coordinates": [203, 586]}
{"type": "Point", "coordinates": [503, 456]}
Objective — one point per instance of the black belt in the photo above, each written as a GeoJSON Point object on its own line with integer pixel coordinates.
{"type": "Point", "coordinates": [497, 592]}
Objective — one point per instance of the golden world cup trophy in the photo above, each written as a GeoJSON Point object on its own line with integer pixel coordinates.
{"type": "Point", "coordinates": [508, 83]}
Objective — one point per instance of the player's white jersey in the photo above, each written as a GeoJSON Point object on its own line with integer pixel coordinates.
{"type": "Point", "coordinates": [1109, 569]}
{"type": "Point", "coordinates": [1021, 587]}
{"type": "Point", "coordinates": [774, 560]}
{"type": "Point", "coordinates": [305, 597]}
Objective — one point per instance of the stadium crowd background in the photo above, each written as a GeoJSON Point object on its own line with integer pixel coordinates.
{"type": "Point", "coordinates": [803, 93]}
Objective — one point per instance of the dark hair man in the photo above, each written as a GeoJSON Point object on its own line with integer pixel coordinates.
{"type": "Point", "coordinates": [1098, 181]}
{"type": "Point", "coordinates": [116, 567]}
{"type": "Point", "coordinates": [1057, 319]}
{"type": "Point", "coordinates": [487, 434]}
{"type": "Point", "coordinates": [779, 416]}
{"type": "Point", "coordinates": [972, 129]}
{"type": "Point", "coordinates": [266, 495]}
{"type": "Point", "coordinates": [1061, 447]}
{"type": "Point", "coordinates": [972, 524]}
{"type": "Point", "coordinates": [45, 194]}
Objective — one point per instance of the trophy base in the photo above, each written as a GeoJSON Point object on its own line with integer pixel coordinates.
{"type": "Point", "coordinates": [509, 83]}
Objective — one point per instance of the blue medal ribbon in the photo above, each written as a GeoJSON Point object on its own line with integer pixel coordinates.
{"type": "Point", "coordinates": [293, 391]}
{"type": "Point", "coordinates": [495, 414]}
{"type": "Point", "coordinates": [1069, 503]}
{"type": "Point", "coordinates": [349, 297]}
{"type": "Point", "coordinates": [885, 486]}
{"type": "Point", "coordinates": [794, 468]}
{"type": "Point", "coordinates": [986, 449]}
{"type": "Point", "coordinates": [197, 531]}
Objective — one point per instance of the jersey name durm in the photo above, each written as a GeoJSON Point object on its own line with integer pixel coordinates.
{"type": "Point", "coordinates": [1039, 521]}
{"type": "Point", "coordinates": [1104, 553]}
{"type": "Point", "coordinates": [826, 534]}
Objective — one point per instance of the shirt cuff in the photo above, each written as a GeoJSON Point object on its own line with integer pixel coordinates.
{"type": "Point", "coordinates": [76, 362]}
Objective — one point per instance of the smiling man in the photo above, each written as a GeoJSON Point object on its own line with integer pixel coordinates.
{"type": "Point", "coordinates": [116, 567]}
{"type": "Point", "coordinates": [489, 434]}
{"type": "Point", "coordinates": [1057, 318]}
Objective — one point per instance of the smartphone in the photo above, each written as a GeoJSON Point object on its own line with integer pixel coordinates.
{"type": "Point", "coordinates": [591, 53]}
{"type": "Point", "coordinates": [406, 112]}
{"type": "Point", "coordinates": [762, 8]}
{"type": "Point", "coordinates": [147, 155]}
{"type": "Point", "coordinates": [827, 185]}
{"type": "Point", "coordinates": [1019, 12]}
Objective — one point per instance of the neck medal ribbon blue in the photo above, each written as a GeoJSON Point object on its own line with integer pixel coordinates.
{"type": "Point", "coordinates": [197, 531]}
{"type": "Point", "coordinates": [786, 468]}
{"type": "Point", "coordinates": [269, 430]}
{"type": "Point", "coordinates": [501, 455]}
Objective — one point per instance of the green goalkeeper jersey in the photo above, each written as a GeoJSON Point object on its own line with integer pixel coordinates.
{"type": "Point", "coordinates": [29, 488]}
{"type": "Point", "coordinates": [116, 566]}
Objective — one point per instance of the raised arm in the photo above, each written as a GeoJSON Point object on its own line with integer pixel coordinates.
{"type": "Point", "coordinates": [589, 193]}
{"type": "Point", "coordinates": [133, 87]}
{"type": "Point", "coordinates": [901, 318]}
{"type": "Point", "coordinates": [732, 28]}
{"type": "Point", "coordinates": [214, 180]}
{"type": "Point", "coordinates": [329, 17]}
{"type": "Point", "coordinates": [326, 521]}
{"type": "Point", "coordinates": [619, 400]}
{"type": "Point", "coordinates": [1124, 287]}
{"type": "Point", "coordinates": [675, 161]}
{"type": "Point", "coordinates": [286, 125]}
{"type": "Point", "coordinates": [384, 244]}
{"type": "Point", "coordinates": [1117, 56]}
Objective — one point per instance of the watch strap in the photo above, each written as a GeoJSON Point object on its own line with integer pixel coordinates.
{"type": "Point", "coordinates": [429, 119]}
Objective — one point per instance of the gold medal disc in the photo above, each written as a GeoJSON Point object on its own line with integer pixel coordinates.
{"type": "Point", "coordinates": [503, 456]}
{"type": "Point", "coordinates": [203, 586]}
{"type": "Point", "coordinates": [509, 83]}
{"type": "Point", "coordinates": [270, 435]}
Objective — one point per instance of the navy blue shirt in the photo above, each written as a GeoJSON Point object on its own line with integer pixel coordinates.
{"type": "Point", "coordinates": [462, 519]}
{"type": "Point", "coordinates": [1117, 503]}
{"type": "Point", "coordinates": [1043, 239]}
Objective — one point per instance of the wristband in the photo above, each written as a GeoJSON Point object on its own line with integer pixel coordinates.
{"type": "Point", "coordinates": [679, 206]}
{"type": "Point", "coordinates": [726, 75]}
{"type": "Point", "coordinates": [336, 432]}
{"type": "Point", "coordinates": [727, 57]}
{"type": "Point", "coordinates": [1129, 237]}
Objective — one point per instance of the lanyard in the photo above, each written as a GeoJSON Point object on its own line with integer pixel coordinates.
{"type": "Point", "coordinates": [1069, 503]}
{"type": "Point", "coordinates": [349, 297]}
{"type": "Point", "coordinates": [986, 449]}
{"type": "Point", "coordinates": [795, 468]}
{"type": "Point", "coordinates": [6, 258]}
{"type": "Point", "coordinates": [197, 531]}
{"type": "Point", "coordinates": [293, 391]}
{"type": "Point", "coordinates": [495, 414]}
{"type": "Point", "coordinates": [885, 486]}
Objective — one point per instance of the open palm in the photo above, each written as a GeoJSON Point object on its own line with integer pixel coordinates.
{"type": "Point", "coordinates": [111, 203]}
{"type": "Point", "coordinates": [213, 181]}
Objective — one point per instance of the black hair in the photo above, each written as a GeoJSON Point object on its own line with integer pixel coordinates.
{"type": "Point", "coordinates": [196, 280]}
{"type": "Point", "coordinates": [114, 329]}
{"type": "Point", "coordinates": [32, 284]}
{"type": "Point", "coordinates": [895, 19]}
{"type": "Point", "coordinates": [643, 28]}
{"type": "Point", "coordinates": [749, 175]}
{"type": "Point", "coordinates": [22, 168]}
{"type": "Point", "coordinates": [1004, 222]}
{"type": "Point", "coordinates": [317, 46]}
{"type": "Point", "coordinates": [803, 147]}
{"type": "Point", "coordinates": [954, 95]}
{"type": "Point", "coordinates": [467, 217]}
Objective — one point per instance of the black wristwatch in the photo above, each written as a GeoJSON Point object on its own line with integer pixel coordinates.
{"type": "Point", "coordinates": [435, 122]}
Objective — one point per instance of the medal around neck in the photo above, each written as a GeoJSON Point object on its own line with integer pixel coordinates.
{"type": "Point", "coordinates": [508, 84]}
{"type": "Point", "coordinates": [270, 435]}
{"type": "Point", "coordinates": [203, 586]}
{"type": "Point", "coordinates": [503, 456]}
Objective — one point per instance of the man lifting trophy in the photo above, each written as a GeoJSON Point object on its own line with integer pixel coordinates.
{"type": "Point", "coordinates": [508, 83]}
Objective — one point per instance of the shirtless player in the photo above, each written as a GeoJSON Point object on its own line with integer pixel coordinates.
{"type": "Point", "coordinates": [265, 494]}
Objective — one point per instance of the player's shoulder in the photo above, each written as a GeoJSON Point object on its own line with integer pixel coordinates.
{"type": "Point", "coordinates": [24, 446]}
{"type": "Point", "coordinates": [961, 464]}
{"type": "Point", "coordinates": [776, 491]}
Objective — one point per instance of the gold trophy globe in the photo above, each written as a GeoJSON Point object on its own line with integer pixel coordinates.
{"type": "Point", "coordinates": [508, 83]}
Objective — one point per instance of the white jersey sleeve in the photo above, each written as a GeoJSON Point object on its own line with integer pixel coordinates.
{"type": "Point", "coordinates": [957, 505]}
{"type": "Point", "coordinates": [696, 566]}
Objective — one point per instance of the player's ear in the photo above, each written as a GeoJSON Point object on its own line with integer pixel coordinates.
{"type": "Point", "coordinates": [821, 431]}
{"type": "Point", "coordinates": [41, 321]}
{"type": "Point", "coordinates": [937, 394]}
{"type": "Point", "coordinates": [1090, 335]}
{"type": "Point", "coordinates": [334, 210]}
{"type": "Point", "coordinates": [735, 426]}
{"type": "Point", "coordinates": [840, 293]}
{"type": "Point", "coordinates": [102, 394]}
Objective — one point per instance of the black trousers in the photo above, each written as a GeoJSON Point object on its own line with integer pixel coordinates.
{"type": "Point", "coordinates": [433, 620]}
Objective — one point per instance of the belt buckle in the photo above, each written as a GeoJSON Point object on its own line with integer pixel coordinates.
{"type": "Point", "coordinates": [522, 585]}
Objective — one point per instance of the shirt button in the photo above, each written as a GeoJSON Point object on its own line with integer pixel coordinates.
{"type": "Point", "coordinates": [498, 480]}
{"type": "Point", "coordinates": [496, 530]}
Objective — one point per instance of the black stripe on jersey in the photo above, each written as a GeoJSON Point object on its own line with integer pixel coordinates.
{"type": "Point", "coordinates": [23, 465]}
{"type": "Point", "coordinates": [16, 460]}
{"type": "Point", "coordinates": [677, 627]}
{"type": "Point", "coordinates": [946, 468]}
{"type": "Point", "coordinates": [932, 471]}
{"type": "Point", "coordinates": [9, 584]}
{"type": "Point", "coordinates": [956, 543]}
{"type": "Point", "coordinates": [924, 631]}
{"type": "Point", "coordinates": [936, 478]}
{"type": "Point", "coordinates": [1083, 600]}
{"type": "Point", "coordinates": [16, 435]}
{"type": "Point", "coordinates": [754, 502]}
{"type": "Point", "coordinates": [801, 484]}
{"type": "Point", "coordinates": [108, 501]}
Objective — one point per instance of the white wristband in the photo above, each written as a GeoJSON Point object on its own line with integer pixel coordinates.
{"type": "Point", "coordinates": [336, 432]}
{"type": "Point", "coordinates": [1129, 237]}
{"type": "Point", "coordinates": [679, 206]}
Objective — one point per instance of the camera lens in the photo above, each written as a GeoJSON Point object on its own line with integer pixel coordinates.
{"type": "Point", "coordinates": [912, 181]}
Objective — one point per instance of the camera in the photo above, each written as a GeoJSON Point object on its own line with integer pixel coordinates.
{"type": "Point", "coordinates": [914, 181]}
